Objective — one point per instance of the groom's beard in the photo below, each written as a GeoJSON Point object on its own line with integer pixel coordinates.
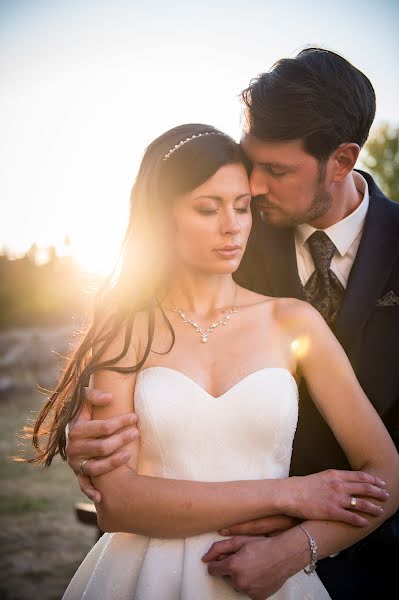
{"type": "Point", "coordinates": [321, 203]}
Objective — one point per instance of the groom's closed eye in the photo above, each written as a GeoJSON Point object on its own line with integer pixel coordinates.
{"type": "Point", "coordinates": [275, 170]}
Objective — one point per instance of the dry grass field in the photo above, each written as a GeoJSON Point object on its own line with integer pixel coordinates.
{"type": "Point", "coordinates": [41, 540]}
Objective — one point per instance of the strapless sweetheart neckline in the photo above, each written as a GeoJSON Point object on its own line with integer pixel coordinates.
{"type": "Point", "coordinates": [235, 385]}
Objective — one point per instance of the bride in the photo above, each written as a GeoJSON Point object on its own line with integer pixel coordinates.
{"type": "Point", "coordinates": [211, 370]}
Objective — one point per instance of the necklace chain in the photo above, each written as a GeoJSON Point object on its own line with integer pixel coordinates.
{"type": "Point", "coordinates": [205, 332]}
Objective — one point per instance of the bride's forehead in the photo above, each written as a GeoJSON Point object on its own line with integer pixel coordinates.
{"type": "Point", "coordinates": [226, 179]}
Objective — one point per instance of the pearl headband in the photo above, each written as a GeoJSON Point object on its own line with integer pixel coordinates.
{"type": "Point", "coordinates": [197, 135]}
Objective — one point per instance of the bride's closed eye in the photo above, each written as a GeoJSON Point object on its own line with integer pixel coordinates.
{"type": "Point", "coordinates": [206, 211]}
{"type": "Point", "coordinates": [213, 211]}
{"type": "Point", "coordinates": [243, 206]}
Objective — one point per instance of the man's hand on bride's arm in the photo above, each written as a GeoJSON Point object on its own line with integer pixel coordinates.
{"type": "Point", "coordinates": [257, 566]}
{"type": "Point", "coordinates": [265, 552]}
{"type": "Point", "coordinates": [99, 443]}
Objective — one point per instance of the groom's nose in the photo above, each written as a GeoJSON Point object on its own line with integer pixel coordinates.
{"type": "Point", "coordinates": [258, 183]}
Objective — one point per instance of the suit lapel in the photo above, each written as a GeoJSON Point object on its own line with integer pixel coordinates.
{"type": "Point", "coordinates": [377, 252]}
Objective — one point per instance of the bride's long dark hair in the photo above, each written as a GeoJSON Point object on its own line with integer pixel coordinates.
{"type": "Point", "coordinates": [141, 274]}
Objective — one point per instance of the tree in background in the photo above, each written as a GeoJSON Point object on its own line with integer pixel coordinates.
{"type": "Point", "coordinates": [381, 159]}
{"type": "Point", "coordinates": [37, 292]}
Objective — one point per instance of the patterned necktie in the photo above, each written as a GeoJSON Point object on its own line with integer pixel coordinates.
{"type": "Point", "coordinates": [323, 289]}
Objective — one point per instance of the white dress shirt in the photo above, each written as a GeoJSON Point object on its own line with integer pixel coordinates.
{"type": "Point", "coordinates": [345, 235]}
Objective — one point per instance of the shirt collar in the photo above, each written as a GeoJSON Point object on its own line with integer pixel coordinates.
{"type": "Point", "coordinates": [343, 233]}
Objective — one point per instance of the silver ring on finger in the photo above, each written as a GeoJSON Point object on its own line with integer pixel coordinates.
{"type": "Point", "coordinates": [81, 466]}
{"type": "Point", "coordinates": [353, 502]}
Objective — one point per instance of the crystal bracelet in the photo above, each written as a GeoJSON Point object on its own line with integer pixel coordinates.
{"type": "Point", "coordinates": [313, 551]}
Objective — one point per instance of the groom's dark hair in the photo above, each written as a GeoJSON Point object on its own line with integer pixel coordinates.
{"type": "Point", "coordinates": [317, 96]}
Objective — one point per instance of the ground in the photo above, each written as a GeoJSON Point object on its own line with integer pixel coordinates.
{"type": "Point", "coordinates": [41, 540]}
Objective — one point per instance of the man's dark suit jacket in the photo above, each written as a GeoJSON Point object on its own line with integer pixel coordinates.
{"type": "Point", "coordinates": [367, 325]}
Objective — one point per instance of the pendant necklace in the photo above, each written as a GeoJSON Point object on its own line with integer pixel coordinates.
{"type": "Point", "coordinates": [204, 333]}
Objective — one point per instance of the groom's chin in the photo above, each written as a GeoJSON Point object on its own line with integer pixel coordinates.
{"type": "Point", "coordinates": [272, 216]}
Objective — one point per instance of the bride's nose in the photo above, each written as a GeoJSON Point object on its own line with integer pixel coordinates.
{"type": "Point", "coordinates": [230, 223]}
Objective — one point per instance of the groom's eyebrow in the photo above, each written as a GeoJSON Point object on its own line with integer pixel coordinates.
{"type": "Point", "coordinates": [220, 198]}
{"type": "Point", "coordinates": [277, 165]}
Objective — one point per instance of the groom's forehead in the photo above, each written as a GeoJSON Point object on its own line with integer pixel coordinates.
{"type": "Point", "coordinates": [272, 152]}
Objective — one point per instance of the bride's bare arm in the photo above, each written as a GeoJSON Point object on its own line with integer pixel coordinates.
{"type": "Point", "coordinates": [174, 508]}
{"type": "Point", "coordinates": [352, 418]}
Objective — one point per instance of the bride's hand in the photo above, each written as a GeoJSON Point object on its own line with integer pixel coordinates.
{"type": "Point", "coordinates": [336, 495]}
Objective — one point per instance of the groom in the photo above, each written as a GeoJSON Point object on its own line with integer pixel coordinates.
{"type": "Point", "coordinates": [334, 242]}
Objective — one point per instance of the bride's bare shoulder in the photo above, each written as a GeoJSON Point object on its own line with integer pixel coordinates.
{"type": "Point", "coordinates": [297, 315]}
{"type": "Point", "coordinates": [282, 308]}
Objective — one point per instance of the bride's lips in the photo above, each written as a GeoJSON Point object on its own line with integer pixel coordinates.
{"type": "Point", "coordinates": [228, 251]}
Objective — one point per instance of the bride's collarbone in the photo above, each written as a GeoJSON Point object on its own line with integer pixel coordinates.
{"type": "Point", "coordinates": [231, 352]}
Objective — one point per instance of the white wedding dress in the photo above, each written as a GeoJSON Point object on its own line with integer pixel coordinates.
{"type": "Point", "coordinates": [185, 433]}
